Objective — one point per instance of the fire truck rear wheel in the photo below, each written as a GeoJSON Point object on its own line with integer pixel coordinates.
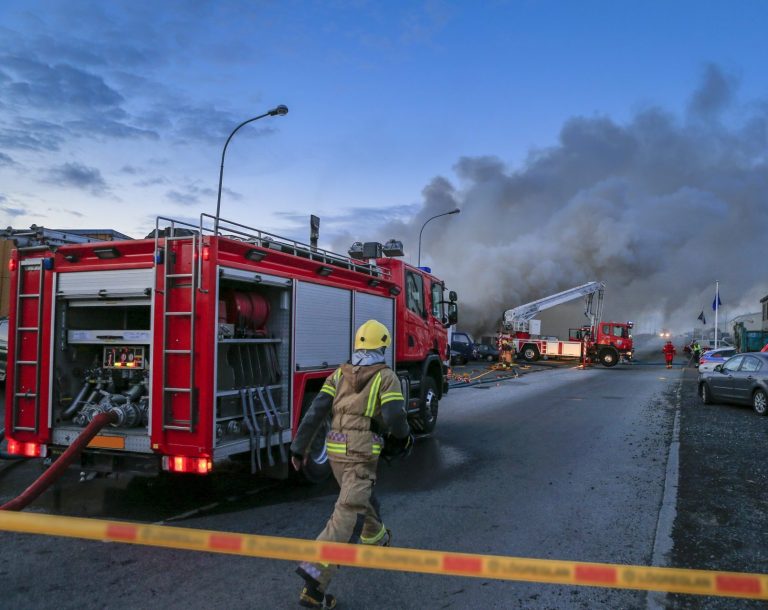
{"type": "Point", "coordinates": [608, 357]}
{"type": "Point", "coordinates": [318, 468]}
{"type": "Point", "coordinates": [530, 353]}
{"type": "Point", "coordinates": [425, 421]}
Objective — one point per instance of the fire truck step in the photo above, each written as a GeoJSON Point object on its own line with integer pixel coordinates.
{"type": "Point", "coordinates": [178, 313]}
{"type": "Point", "coordinates": [175, 275]}
{"type": "Point", "coordinates": [29, 296]}
{"type": "Point", "coordinates": [27, 362]}
{"type": "Point", "coordinates": [24, 429]}
{"type": "Point", "coordinates": [176, 390]}
{"type": "Point", "coordinates": [27, 329]}
{"type": "Point", "coordinates": [177, 426]}
{"type": "Point", "coordinates": [178, 351]}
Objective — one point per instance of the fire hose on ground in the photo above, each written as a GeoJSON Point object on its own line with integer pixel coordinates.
{"type": "Point", "coordinates": [61, 464]}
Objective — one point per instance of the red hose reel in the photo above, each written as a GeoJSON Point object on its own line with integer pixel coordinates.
{"type": "Point", "coordinates": [246, 310]}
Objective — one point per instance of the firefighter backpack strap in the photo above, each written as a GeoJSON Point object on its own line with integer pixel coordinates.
{"type": "Point", "coordinates": [373, 396]}
{"type": "Point", "coordinates": [331, 384]}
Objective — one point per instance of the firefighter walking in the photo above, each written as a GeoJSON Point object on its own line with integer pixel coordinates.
{"type": "Point", "coordinates": [365, 402]}
{"type": "Point", "coordinates": [669, 353]}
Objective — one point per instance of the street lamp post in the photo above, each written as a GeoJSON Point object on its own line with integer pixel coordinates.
{"type": "Point", "coordinates": [456, 211]}
{"type": "Point", "coordinates": [280, 110]}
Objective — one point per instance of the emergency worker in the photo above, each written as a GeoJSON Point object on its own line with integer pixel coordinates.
{"type": "Point", "coordinates": [696, 349]}
{"type": "Point", "coordinates": [669, 353]}
{"type": "Point", "coordinates": [365, 402]}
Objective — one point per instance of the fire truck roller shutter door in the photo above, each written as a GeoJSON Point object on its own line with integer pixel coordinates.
{"type": "Point", "coordinates": [323, 326]}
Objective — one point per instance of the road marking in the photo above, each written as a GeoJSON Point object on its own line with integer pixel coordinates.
{"type": "Point", "coordinates": [697, 582]}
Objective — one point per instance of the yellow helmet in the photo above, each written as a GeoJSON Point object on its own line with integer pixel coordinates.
{"type": "Point", "coordinates": [372, 335]}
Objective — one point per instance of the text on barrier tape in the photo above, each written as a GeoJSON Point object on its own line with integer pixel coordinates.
{"type": "Point", "coordinates": [673, 580]}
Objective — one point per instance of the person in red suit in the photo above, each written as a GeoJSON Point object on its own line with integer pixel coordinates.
{"type": "Point", "coordinates": [669, 353]}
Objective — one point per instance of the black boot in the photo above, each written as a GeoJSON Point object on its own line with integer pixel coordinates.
{"type": "Point", "coordinates": [312, 597]}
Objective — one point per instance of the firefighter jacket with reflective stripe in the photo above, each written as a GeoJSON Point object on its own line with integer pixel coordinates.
{"type": "Point", "coordinates": [361, 400]}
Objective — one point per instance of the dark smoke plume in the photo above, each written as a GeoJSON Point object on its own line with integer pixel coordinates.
{"type": "Point", "coordinates": [658, 208]}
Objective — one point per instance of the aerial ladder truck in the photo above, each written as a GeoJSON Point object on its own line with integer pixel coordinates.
{"type": "Point", "coordinates": [597, 341]}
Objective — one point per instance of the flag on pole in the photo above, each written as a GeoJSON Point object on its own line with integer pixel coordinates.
{"type": "Point", "coordinates": [716, 302]}
{"type": "Point", "coordinates": [702, 318]}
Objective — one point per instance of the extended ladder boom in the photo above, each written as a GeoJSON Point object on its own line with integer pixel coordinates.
{"type": "Point", "coordinates": [524, 313]}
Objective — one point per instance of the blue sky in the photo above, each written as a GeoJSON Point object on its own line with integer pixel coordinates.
{"type": "Point", "coordinates": [113, 112]}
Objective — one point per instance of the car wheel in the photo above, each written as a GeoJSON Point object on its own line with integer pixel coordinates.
{"type": "Point", "coordinates": [760, 402]}
{"type": "Point", "coordinates": [706, 395]}
{"type": "Point", "coordinates": [489, 358]}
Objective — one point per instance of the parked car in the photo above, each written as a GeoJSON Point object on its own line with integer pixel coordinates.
{"type": "Point", "coordinates": [463, 344]}
{"type": "Point", "coordinates": [3, 347]}
{"type": "Point", "coordinates": [486, 352]}
{"type": "Point", "coordinates": [457, 358]}
{"type": "Point", "coordinates": [742, 379]}
{"type": "Point", "coordinates": [709, 360]}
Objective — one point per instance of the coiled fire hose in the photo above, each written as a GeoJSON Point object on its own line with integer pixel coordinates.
{"type": "Point", "coordinates": [61, 464]}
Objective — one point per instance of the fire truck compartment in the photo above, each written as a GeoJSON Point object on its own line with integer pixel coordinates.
{"type": "Point", "coordinates": [253, 353]}
{"type": "Point", "coordinates": [101, 356]}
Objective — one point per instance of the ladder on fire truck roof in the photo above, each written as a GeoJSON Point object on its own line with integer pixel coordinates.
{"type": "Point", "coordinates": [178, 318]}
{"type": "Point", "coordinates": [26, 372]}
{"type": "Point", "coordinates": [40, 236]}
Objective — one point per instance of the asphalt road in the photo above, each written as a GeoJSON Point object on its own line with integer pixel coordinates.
{"type": "Point", "coordinates": [559, 463]}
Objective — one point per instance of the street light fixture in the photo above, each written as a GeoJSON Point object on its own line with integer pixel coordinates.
{"type": "Point", "coordinates": [280, 110]}
{"type": "Point", "coordinates": [456, 211]}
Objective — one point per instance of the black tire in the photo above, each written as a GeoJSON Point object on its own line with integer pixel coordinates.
{"type": "Point", "coordinates": [318, 467]}
{"type": "Point", "coordinates": [705, 394]}
{"type": "Point", "coordinates": [608, 357]}
{"type": "Point", "coordinates": [760, 402]}
{"type": "Point", "coordinates": [426, 420]}
{"type": "Point", "coordinates": [530, 353]}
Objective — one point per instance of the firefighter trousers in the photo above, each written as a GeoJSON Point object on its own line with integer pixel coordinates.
{"type": "Point", "coordinates": [355, 517]}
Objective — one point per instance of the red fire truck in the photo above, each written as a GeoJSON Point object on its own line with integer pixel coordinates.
{"type": "Point", "coordinates": [598, 341]}
{"type": "Point", "coordinates": [206, 346]}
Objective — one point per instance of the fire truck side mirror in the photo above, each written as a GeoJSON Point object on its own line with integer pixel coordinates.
{"type": "Point", "coordinates": [452, 296]}
{"type": "Point", "coordinates": [453, 314]}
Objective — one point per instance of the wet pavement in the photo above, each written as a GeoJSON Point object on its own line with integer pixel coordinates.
{"type": "Point", "coordinates": [563, 463]}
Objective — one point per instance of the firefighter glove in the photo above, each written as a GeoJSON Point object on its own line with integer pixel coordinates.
{"type": "Point", "coordinates": [395, 448]}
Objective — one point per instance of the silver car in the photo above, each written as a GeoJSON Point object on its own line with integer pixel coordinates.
{"type": "Point", "coordinates": [742, 379]}
{"type": "Point", "coordinates": [710, 359]}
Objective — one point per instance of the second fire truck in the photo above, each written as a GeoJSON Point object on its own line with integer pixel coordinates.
{"type": "Point", "coordinates": [598, 341]}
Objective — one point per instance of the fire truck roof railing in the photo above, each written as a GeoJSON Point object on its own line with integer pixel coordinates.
{"type": "Point", "coordinates": [229, 229]}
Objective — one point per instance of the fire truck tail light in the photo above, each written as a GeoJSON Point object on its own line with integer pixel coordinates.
{"type": "Point", "coordinates": [29, 450]}
{"type": "Point", "coordinates": [206, 253]}
{"type": "Point", "coordinates": [180, 463]}
{"type": "Point", "coordinates": [12, 264]}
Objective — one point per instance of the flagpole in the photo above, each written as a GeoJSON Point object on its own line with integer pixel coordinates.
{"type": "Point", "coordinates": [717, 307]}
